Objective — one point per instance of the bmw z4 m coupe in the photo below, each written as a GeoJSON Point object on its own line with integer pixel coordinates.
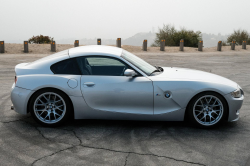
{"type": "Point", "coordinates": [104, 82]}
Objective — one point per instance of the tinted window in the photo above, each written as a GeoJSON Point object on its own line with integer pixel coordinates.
{"type": "Point", "coordinates": [68, 66]}
{"type": "Point", "coordinates": [138, 62]}
{"type": "Point", "coordinates": [100, 61]}
{"type": "Point", "coordinates": [98, 65]}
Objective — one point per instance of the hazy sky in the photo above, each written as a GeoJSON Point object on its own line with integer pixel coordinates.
{"type": "Point", "coordinates": [21, 19]}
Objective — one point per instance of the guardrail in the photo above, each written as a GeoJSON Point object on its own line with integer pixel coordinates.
{"type": "Point", "coordinates": [118, 44]}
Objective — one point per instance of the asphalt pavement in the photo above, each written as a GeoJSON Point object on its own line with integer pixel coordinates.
{"type": "Point", "coordinates": [99, 142]}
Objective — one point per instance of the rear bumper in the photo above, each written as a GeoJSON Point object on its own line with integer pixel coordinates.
{"type": "Point", "coordinates": [20, 98]}
{"type": "Point", "coordinates": [234, 105]}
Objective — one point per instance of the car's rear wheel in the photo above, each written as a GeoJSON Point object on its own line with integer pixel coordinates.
{"type": "Point", "coordinates": [207, 109]}
{"type": "Point", "coordinates": [50, 107]}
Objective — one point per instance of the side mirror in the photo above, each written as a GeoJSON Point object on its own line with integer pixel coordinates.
{"type": "Point", "coordinates": [130, 73]}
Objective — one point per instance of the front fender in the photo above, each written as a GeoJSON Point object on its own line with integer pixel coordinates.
{"type": "Point", "coordinates": [184, 91]}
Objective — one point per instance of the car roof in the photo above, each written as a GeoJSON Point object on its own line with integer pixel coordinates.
{"type": "Point", "coordinates": [95, 50]}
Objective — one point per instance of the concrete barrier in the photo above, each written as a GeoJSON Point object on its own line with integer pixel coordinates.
{"type": "Point", "coordinates": [219, 46]}
{"type": "Point", "coordinates": [53, 46]}
{"type": "Point", "coordinates": [244, 45]}
{"type": "Point", "coordinates": [118, 43]}
{"type": "Point", "coordinates": [233, 45]}
{"type": "Point", "coordinates": [144, 45]}
{"type": "Point", "coordinates": [76, 44]}
{"type": "Point", "coordinates": [99, 42]}
{"type": "Point", "coordinates": [182, 45]}
{"type": "Point", "coordinates": [200, 45]}
{"type": "Point", "coordinates": [162, 45]}
{"type": "Point", "coordinates": [2, 49]}
{"type": "Point", "coordinates": [26, 47]}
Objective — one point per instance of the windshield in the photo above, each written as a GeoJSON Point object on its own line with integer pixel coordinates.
{"type": "Point", "coordinates": [138, 62]}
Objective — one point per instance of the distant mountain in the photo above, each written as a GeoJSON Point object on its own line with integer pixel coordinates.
{"type": "Point", "coordinates": [135, 40]}
{"type": "Point", "coordinates": [138, 38]}
{"type": "Point", "coordinates": [211, 40]}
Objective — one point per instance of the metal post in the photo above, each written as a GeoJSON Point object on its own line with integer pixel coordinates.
{"type": "Point", "coordinates": [233, 45]}
{"type": "Point", "coordinates": [76, 44]}
{"type": "Point", "coordinates": [2, 50]}
{"type": "Point", "coordinates": [182, 45]}
{"type": "Point", "coordinates": [144, 45]}
{"type": "Point", "coordinates": [162, 45]}
{"type": "Point", "coordinates": [53, 46]}
{"type": "Point", "coordinates": [244, 45]}
{"type": "Point", "coordinates": [200, 45]}
{"type": "Point", "coordinates": [219, 46]}
{"type": "Point", "coordinates": [118, 42]}
{"type": "Point", "coordinates": [26, 48]}
{"type": "Point", "coordinates": [99, 42]}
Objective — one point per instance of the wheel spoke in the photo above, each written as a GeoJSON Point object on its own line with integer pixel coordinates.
{"type": "Point", "coordinates": [210, 118]}
{"type": "Point", "coordinates": [40, 110]}
{"type": "Point", "coordinates": [202, 103]}
{"type": "Point", "coordinates": [206, 100]}
{"type": "Point", "coordinates": [46, 98]}
{"type": "Point", "coordinates": [40, 104]}
{"type": "Point", "coordinates": [59, 109]}
{"type": "Point", "coordinates": [215, 105]}
{"type": "Point", "coordinates": [47, 115]}
{"type": "Point", "coordinates": [56, 114]}
{"type": "Point", "coordinates": [199, 114]}
{"type": "Point", "coordinates": [41, 101]}
{"type": "Point", "coordinates": [57, 101]}
{"type": "Point", "coordinates": [210, 100]}
{"type": "Point", "coordinates": [214, 101]}
{"type": "Point", "coordinates": [214, 112]}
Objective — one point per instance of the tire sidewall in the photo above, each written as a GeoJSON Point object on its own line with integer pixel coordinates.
{"type": "Point", "coordinates": [58, 92]}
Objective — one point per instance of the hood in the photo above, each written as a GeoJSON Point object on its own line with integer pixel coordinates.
{"type": "Point", "coordinates": [174, 73]}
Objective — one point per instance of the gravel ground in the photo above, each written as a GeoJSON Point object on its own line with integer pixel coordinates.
{"type": "Point", "coordinates": [96, 142]}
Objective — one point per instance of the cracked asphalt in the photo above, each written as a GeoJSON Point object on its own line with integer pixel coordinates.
{"type": "Point", "coordinates": [97, 142]}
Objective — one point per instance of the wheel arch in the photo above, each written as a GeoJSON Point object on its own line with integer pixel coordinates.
{"type": "Point", "coordinates": [227, 110]}
{"type": "Point", "coordinates": [71, 103]}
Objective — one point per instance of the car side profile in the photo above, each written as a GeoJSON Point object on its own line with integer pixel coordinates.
{"type": "Point", "coordinates": [104, 82]}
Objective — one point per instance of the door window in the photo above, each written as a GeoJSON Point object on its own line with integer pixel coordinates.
{"type": "Point", "coordinates": [68, 66]}
{"type": "Point", "coordinates": [98, 65]}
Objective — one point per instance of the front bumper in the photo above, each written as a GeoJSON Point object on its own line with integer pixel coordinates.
{"type": "Point", "coordinates": [20, 98]}
{"type": "Point", "coordinates": [234, 105]}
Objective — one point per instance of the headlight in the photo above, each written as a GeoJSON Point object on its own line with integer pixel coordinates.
{"type": "Point", "coordinates": [237, 93]}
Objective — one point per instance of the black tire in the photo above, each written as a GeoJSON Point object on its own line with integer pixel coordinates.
{"type": "Point", "coordinates": [53, 108]}
{"type": "Point", "coordinates": [204, 112]}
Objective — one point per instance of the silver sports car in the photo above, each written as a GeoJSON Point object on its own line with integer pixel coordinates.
{"type": "Point", "coordinates": [104, 82]}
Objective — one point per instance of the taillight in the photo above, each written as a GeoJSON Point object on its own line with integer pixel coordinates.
{"type": "Point", "coordinates": [15, 79]}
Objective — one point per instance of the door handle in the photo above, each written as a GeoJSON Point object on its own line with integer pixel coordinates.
{"type": "Point", "coordinates": [88, 84]}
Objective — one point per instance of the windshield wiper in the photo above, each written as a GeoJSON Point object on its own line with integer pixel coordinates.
{"type": "Point", "coordinates": [157, 70]}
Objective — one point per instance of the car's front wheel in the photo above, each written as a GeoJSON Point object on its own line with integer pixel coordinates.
{"type": "Point", "coordinates": [207, 109]}
{"type": "Point", "coordinates": [50, 107]}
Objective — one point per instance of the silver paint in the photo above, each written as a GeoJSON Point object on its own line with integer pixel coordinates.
{"type": "Point", "coordinates": [121, 97]}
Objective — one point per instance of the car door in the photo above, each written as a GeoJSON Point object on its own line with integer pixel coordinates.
{"type": "Point", "coordinates": [105, 88]}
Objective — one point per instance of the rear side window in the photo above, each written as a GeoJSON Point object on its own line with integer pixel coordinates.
{"type": "Point", "coordinates": [68, 66]}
